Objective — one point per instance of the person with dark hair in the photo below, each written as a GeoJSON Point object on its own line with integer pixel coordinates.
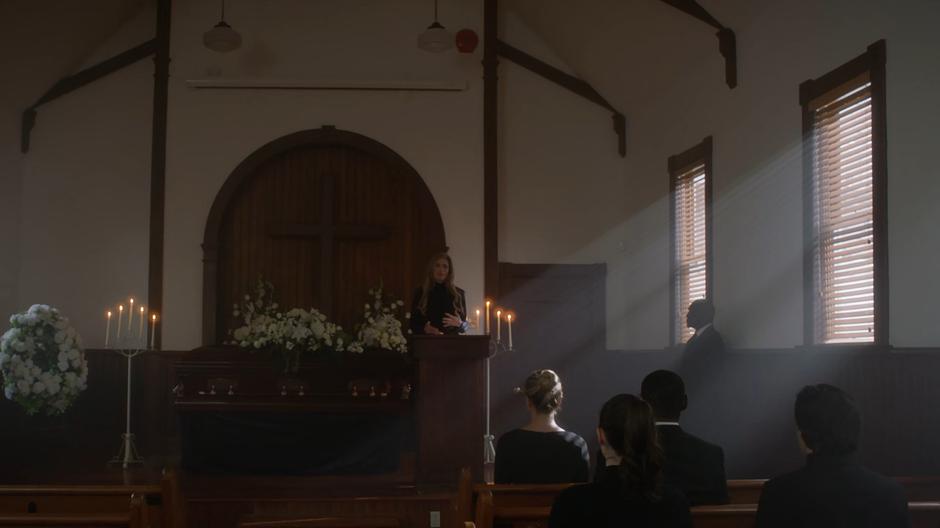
{"type": "Point", "coordinates": [833, 489]}
{"type": "Point", "coordinates": [541, 452]}
{"type": "Point", "coordinates": [706, 340]}
{"type": "Point", "coordinates": [631, 491]}
{"type": "Point", "coordinates": [439, 307]}
{"type": "Point", "coordinates": [691, 464]}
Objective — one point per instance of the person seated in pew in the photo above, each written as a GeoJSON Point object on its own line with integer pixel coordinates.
{"type": "Point", "coordinates": [631, 491]}
{"type": "Point", "coordinates": [541, 452]}
{"type": "Point", "coordinates": [438, 306]}
{"type": "Point", "coordinates": [833, 489]}
{"type": "Point", "coordinates": [691, 464]}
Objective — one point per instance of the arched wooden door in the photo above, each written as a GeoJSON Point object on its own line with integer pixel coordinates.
{"type": "Point", "coordinates": [324, 215]}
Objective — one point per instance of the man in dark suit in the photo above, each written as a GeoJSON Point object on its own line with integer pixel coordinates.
{"type": "Point", "coordinates": [691, 464]}
{"type": "Point", "coordinates": [706, 339]}
{"type": "Point", "coordinates": [833, 489]}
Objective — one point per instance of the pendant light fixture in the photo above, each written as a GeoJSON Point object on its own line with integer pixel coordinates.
{"type": "Point", "coordinates": [222, 38]}
{"type": "Point", "coordinates": [435, 38]}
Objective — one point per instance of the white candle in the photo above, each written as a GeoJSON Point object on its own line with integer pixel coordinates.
{"type": "Point", "coordinates": [107, 331]}
{"type": "Point", "coordinates": [478, 320]}
{"type": "Point", "coordinates": [153, 330]}
{"type": "Point", "coordinates": [140, 331]}
{"type": "Point", "coordinates": [120, 318]}
{"type": "Point", "coordinates": [486, 327]}
{"type": "Point", "coordinates": [499, 315]}
{"type": "Point", "coordinates": [509, 325]}
{"type": "Point", "coordinates": [130, 317]}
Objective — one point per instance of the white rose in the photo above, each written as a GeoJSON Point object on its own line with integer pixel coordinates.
{"type": "Point", "coordinates": [23, 386]}
{"type": "Point", "coordinates": [9, 391]}
{"type": "Point", "coordinates": [39, 387]}
{"type": "Point", "coordinates": [19, 346]}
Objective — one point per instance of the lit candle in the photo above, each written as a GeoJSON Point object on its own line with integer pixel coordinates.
{"type": "Point", "coordinates": [130, 316]}
{"type": "Point", "coordinates": [153, 330]}
{"type": "Point", "coordinates": [107, 331]}
{"type": "Point", "coordinates": [478, 319]}
{"type": "Point", "coordinates": [509, 325]}
{"type": "Point", "coordinates": [499, 315]}
{"type": "Point", "coordinates": [140, 331]}
{"type": "Point", "coordinates": [120, 318]}
{"type": "Point", "coordinates": [486, 328]}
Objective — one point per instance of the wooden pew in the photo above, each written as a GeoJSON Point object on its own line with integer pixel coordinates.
{"type": "Point", "coordinates": [516, 505]}
{"type": "Point", "coordinates": [323, 522]}
{"type": "Point", "coordinates": [923, 515]}
{"type": "Point", "coordinates": [529, 506]}
{"type": "Point", "coordinates": [71, 499]}
{"type": "Point", "coordinates": [133, 516]}
{"type": "Point", "coordinates": [173, 503]}
{"type": "Point", "coordinates": [918, 489]}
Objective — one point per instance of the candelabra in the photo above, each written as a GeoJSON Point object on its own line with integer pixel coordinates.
{"type": "Point", "coordinates": [489, 449]}
{"type": "Point", "coordinates": [129, 347]}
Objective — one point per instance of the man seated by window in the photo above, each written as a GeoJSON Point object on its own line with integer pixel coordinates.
{"type": "Point", "coordinates": [833, 489]}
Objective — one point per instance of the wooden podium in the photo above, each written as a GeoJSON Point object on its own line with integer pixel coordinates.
{"type": "Point", "coordinates": [450, 408]}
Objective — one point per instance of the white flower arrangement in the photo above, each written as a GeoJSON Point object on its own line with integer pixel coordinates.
{"type": "Point", "coordinates": [42, 361]}
{"type": "Point", "coordinates": [288, 334]}
{"type": "Point", "coordinates": [381, 327]}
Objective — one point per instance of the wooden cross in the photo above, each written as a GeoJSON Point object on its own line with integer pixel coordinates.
{"type": "Point", "coordinates": [328, 233]}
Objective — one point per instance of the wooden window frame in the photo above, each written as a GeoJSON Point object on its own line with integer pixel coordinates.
{"type": "Point", "coordinates": [677, 164]}
{"type": "Point", "coordinates": [872, 63]}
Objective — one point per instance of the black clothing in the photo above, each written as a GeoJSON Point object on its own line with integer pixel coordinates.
{"type": "Point", "coordinates": [603, 504]}
{"type": "Point", "coordinates": [440, 302]}
{"type": "Point", "coordinates": [831, 492]}
{"type": "Point", "coordinates": [532, 457]}
{"type": "Point", "coordinates": [706, 343]}
{"type": "Point", "coordinates": [691, 465]}
{"type": "Point", "coordinates": [694, 466]}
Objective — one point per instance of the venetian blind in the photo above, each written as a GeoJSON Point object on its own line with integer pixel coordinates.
{"type": "Point", "coordinates": [843, 218]}
{"type": "Point", "coordinates": [690, 233]}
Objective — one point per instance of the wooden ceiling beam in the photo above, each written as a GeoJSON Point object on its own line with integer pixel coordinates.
{"type": "Point", "coordinates": [86, 76]}
{"type": "Point", "coordinates": [727, 43]}
{"type": "Point", "coordinates": [569, 82]}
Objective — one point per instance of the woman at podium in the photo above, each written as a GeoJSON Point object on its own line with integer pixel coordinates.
{"type": "Point", "coordinates": [438, 306]}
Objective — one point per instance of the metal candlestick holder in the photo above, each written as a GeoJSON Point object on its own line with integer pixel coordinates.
{"type": "Point", "coordinates": [129, 347]}
{"type": "Point", "coordinates": [489, 448]}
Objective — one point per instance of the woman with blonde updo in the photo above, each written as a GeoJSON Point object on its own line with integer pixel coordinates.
{"type": "Point", "coordinates": [541, 452]}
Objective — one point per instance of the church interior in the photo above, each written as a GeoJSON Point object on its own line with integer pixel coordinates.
{"type": "Point", "coordinates": [180, 177]}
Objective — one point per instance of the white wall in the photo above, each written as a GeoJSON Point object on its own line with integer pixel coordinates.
{"type": "Point", "coordinates": [85, 196]}
{"type": "Point", "coordinates": [211, 132]}
{"type": "Point", "coordinates": [757, 164]}
{"type": "Point", "coordinates": [561, 175]}
{"type": "Point", "coordinates": [565, 195]}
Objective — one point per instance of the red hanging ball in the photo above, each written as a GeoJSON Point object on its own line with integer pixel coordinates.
{"type": "Point", "coordinates": [467, 41]}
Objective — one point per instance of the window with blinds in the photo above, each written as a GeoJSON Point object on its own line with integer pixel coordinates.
{"type": "Point", "coordinates": [843, 217]}
{"type": "Point", "coordinates": [845, 261]}
{"type": "Point", "coordinates": [691, 249]}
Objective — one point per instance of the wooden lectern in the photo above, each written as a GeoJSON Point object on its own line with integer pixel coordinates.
{"type": "Point", "coordinates": [450, 406]}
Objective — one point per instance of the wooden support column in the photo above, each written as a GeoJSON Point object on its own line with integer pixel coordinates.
{"type": "Point", "coordinates": [161, 80]}
{"type": "Point", "coordinates": [490, 150]}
